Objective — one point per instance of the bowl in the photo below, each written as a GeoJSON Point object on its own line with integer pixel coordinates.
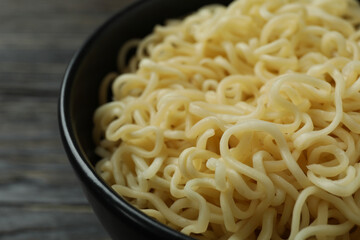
{"type": "Point", "coordinates": [78, 101]}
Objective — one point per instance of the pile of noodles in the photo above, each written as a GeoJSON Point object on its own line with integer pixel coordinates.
{"type": "Point", "coordinates": [240, 122]}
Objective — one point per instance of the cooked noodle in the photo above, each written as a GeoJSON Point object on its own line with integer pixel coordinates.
{"type": "Point", "coordinates": [240, 122]}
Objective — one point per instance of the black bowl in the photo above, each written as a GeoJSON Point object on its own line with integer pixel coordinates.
{"type": "Point", "coordinates": [78, 101]}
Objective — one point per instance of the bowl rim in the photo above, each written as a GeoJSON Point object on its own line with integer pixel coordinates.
{"type": "Point", "coordinates": [83, 169]}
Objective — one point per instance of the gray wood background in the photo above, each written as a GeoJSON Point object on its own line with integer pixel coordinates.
{"type": "Point", "coordinates": [40, 197]}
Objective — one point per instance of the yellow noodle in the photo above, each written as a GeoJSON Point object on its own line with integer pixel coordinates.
{"type": "Point", "coordinates": [240, 122]}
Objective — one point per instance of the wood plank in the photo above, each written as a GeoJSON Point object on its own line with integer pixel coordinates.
{"type": "Point", "coordinates": [41, 54]}
{"type": "Point", "coordinates": [40, 196]}
{"type": "Point", "coordinates": [51, 222]}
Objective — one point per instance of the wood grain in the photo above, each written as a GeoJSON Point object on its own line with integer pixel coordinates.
{"type": "Point", "coordinates": [40, 197]}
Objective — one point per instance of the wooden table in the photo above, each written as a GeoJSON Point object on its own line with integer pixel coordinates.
{"type": "Point", "coordinates": [40, 197]}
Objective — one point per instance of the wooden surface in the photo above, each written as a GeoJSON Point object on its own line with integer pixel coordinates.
{"type": "Point", "coordinates": [40, 197]}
